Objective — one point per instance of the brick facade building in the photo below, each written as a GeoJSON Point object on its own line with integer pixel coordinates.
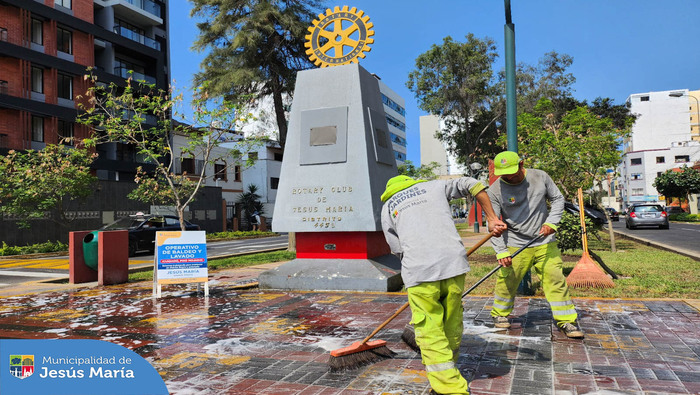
{"type": "Point", "coordinates": [46, 47]}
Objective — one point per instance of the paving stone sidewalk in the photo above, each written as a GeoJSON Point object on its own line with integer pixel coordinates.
{"type": "Point", "coordinates": [250, 341]}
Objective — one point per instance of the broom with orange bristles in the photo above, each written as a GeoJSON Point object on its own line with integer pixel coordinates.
{"type": "Point", "coordinates": [586, 274]}
{"type": "Point", "coordinates": [366, 352]}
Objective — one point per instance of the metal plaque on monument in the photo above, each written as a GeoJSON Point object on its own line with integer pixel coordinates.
{"type": "Point", "coordinates": [337, 160]}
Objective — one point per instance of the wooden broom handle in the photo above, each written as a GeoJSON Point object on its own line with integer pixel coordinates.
{"type": "Point", "coordinates": [405, 305]}
{"type": "Point", "coordinates": [584, 238]}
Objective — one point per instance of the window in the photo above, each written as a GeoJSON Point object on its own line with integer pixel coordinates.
{"type": "Point", "coordinates": [37, 32]}
{"type": "Point", "coordinates": [64, 40]}
{"type": "Point", "coordinates": [400, 156]}
{"type": "Point", "coordinates": [682, 158]}
{"type": "Point", "coordinates": [644, 98]}
{"type": "Point", "coordinates": [660, 159]}
{"type": "Point", "coordinates": [658, 173]}
{"type": "Point", "coordinates": [237, 173]}
{"type": "Point", "coordinates": [65, 3]}
{"type": "Point", "coordinates": [4, 89]}
{"type": "Point", "coordinates": [187, 166]}
{"type": "Point", "coordinates": [220, 172]}
{"type": "Point", "coordinates": [278, 156]}
{"type": "Point", "coordinates": [636, 176]}
{"type": "Point", "coordinates": [65, 132]}
{"type": "Point", "coordinates": [65, 86]}
{"type": "Point", "coordinates": [38, 129]}
{"type": "Point", "coordinates": [37, 80]}
{"type": "Point", "coordinates": [3, 34]}
{"type": "Point", "coordinates": [637, 191]}
{"type": "Point", "coordinates": [636, 161]}
{"type": "Point", "coordinates": [274, 182]}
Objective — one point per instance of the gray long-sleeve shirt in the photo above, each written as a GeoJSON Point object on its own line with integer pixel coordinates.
{"type": "Point", "coordinates": [418, 226]}
{"type": "Point", "coordinates": [524, 209]}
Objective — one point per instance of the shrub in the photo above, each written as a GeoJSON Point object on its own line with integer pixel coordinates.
{"type": "Point", "coordinates": [569, 232]}
{"type": "Point", "coordinates": [684, 217]}
{"type": "Point", "coordinates": [48, 246]}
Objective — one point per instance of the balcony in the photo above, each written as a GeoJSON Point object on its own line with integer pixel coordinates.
{"type": "Point", "coordinates": [132, 35]}
{"type": "Point", "coordinates": [126, 74]}
{"type": "Point", "coordinates": [147, 5]}
{"type": "Point", "coordinates": [141, 12]}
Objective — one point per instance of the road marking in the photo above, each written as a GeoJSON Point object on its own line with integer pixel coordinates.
{"type": "Point", "coordinates": [30, 274]}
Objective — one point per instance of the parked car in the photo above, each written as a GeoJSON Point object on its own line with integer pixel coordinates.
{"type": "Point", "coordinates": [597, 217]}
{"type": "Point", "coordinates": [143, 227]}
{"type": "Point", "coordinates": [674, 210]}
{"type": "Point", "coordinates": [646, 215]}
{"type": "Point", "coordinates": [614, 215]}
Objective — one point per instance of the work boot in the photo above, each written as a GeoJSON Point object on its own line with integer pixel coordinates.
{"type": "Point", "coordinates": [501, 322]}
{"type": "Point", "coordinates": [571, 331]}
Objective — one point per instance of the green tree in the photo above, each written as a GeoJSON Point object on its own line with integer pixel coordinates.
{"type": "Point", "coordinates": [141, 115]}
{"type": "Point", "coordinates": [45, 183]}
{"type": "Point", "coordinates": [250, 202]}
{"type": "Point", "coordinates": [423, 172]}
{"type": "Point", "coordinates": [575, 149]}
{"type": "Point", "coordinates": [454, 81]}
{"type": "Point", "coordinates": [254, 48]}
{"type": "Point", "coordinates": [679, 184]}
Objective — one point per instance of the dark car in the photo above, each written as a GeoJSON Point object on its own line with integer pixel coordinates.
{"type": "Point", "coordinates": [143, 227]}
{"type": "Point", "coordinates": [674, 210]}
{"type": "Point", "coordinates": [646, 215]}
{"type": "Point", "coordinates": [614, 215]}
{"type": "Point", "coordinates": [597, 217]}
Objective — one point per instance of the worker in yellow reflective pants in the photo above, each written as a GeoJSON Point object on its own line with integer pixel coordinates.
{"type": "Point", "coordinates": [439, 328]}
{"type": "Point", "coordinates": [547, 263]}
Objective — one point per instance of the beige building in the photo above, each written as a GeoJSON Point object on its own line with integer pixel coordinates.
{"type": "Point", "coordinates": [433, 150]}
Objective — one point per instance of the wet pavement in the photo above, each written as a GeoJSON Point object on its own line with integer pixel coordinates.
{"type": "Point", "coordinates": [243, 340]}
{"type": "Point", "coordinates": [252, 341]}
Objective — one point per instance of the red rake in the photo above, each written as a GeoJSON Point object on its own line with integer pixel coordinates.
{"type": "Point", "coordinates": [586, 273]}
{"type": "Point", "coordinates": [366, 352]}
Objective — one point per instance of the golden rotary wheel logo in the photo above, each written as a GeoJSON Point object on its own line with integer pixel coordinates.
{"type": "Point", "coordinates": [339, 37]}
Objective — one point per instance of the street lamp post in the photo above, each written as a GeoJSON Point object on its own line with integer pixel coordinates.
{"type": "Point", "coordinates": [697, 107]}
{"type": "Point", "coordinates": [476, 171]}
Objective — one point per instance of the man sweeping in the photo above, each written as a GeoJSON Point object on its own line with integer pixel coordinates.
{"type": "Point", "coordinates": [418, 226]}
{"type": "Point", "coordinates": [520, 197]}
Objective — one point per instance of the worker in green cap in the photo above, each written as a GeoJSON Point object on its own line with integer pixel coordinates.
{"type": "Point", "coordinates": [520, 197]}
{"type": "Point", "coordinates": [418, 226]}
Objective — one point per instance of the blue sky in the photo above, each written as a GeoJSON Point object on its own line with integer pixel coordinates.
{"type": "Point", "coordinates": [619, 47]}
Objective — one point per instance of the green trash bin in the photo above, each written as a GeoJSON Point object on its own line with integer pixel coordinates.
{"type": "Point", "coordinates": [90, 249]}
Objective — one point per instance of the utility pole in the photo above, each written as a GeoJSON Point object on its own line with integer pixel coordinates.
{"type": "Point", "coordinates": [525, 287]}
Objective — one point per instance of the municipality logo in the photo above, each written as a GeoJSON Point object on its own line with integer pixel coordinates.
{"type": "Point", "coordinates": [22, 366]}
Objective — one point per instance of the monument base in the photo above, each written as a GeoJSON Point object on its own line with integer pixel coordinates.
{"type": "Point", "coordinates": [381, 274]}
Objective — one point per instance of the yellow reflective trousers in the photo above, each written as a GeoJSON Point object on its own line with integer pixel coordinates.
{"type": "Point", "coordinates": [546, 260]}
{"type": "Point", "coordinates": [437, 313]}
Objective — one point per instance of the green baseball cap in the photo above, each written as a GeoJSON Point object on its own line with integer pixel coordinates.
{"type": "Point", "coordinates": [396, 184]}
{"type": "Point", "coordinates": [507, 162]}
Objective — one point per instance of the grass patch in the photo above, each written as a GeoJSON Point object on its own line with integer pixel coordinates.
{"type": "Point", "coordinates": [464, 229]}
{"type": "Point", "coordinates": [229, 263]}
{"type": "Point", "coordinates": [644, 271]}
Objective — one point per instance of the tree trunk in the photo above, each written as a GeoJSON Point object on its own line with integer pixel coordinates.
{"type": "Point", "coordinates": [279, 114]}
{"type": "Point", "coordinates": [181, 217]}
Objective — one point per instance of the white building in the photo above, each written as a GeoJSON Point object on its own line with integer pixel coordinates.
{"type": "Point", "coordinates": [395, 110]}
{"type": "Point", "coordinates": [434, 150]}
{"type": "Point", "coordinates": [663, 137]}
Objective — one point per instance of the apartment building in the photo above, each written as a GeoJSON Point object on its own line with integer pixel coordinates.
{"type": "Point", "coordinates": [46, 47]}
{"type": "Point", "coordinates": [395, 111]}
{"type": "Point", "coordinates": [665, 136]}
{"type": "Point", "coordinates": [434, 150]}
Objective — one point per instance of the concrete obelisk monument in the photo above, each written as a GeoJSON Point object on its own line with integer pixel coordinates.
{"type": "Point", "coordinates": [337, 160]}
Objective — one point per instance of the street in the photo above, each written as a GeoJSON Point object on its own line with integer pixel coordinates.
{"type": "Point", "coordinates": [682, 237]}
{"type": "Point", "coordinates": [15, 271]}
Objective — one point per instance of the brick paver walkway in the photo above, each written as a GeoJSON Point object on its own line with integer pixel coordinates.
{"type": "Point", "coordinates": [271, 342]}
